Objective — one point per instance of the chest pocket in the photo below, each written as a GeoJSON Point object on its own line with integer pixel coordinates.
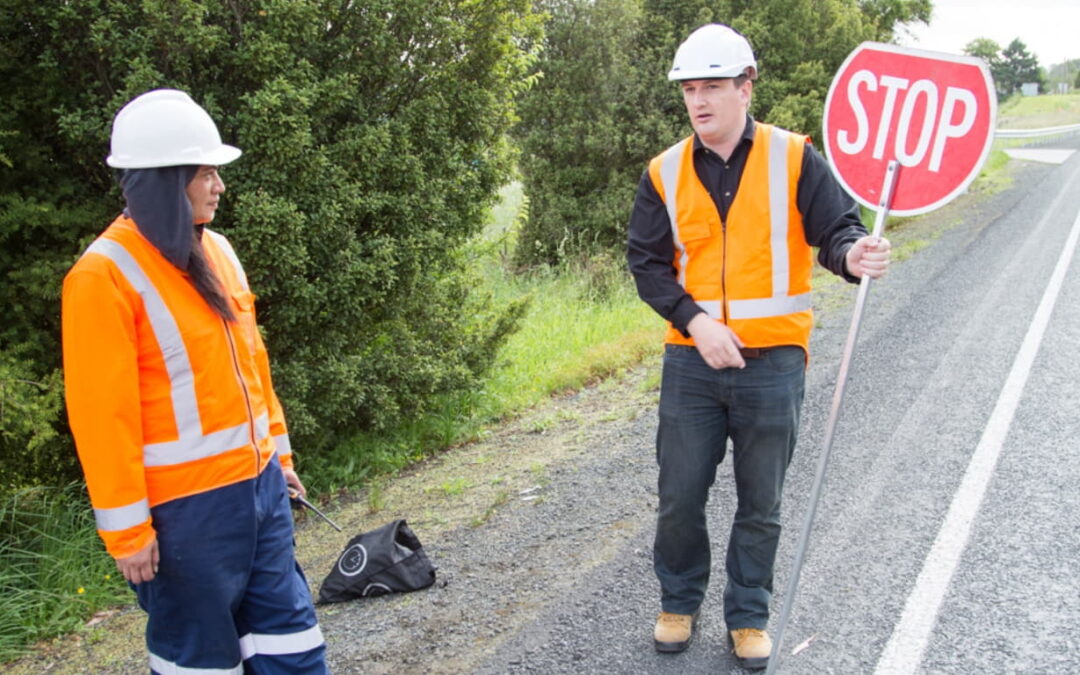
{"type": "Point", "coordinates": [244, 305]}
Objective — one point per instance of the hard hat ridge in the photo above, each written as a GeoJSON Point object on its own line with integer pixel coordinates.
{"type": "Point", "coordinates": [165, 127]}
{"type": "Point", "coordinates": [714, 50]}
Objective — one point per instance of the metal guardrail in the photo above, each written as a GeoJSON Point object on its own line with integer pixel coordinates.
{"type": "Point", "coordinates": [1036, 133]}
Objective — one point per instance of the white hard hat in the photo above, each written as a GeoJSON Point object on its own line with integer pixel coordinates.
{"type": "Point", "coordinates": [164, 127]}
{"type": "Point", "coordinates": [714, 50]}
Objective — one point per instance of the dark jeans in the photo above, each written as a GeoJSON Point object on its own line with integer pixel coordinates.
{"type": "Point", "coordinates": [700, 408]}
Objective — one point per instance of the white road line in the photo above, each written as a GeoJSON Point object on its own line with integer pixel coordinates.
{"type": "Point", "coordinates": [905, 648]}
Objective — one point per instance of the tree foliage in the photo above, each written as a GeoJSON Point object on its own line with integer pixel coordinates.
{"type": "Point", "coordinates": [603, 106]}
{"type": "Point", "coordinates": [1010, 67]}
{"type": "Point", "coordinates": [374, 142]}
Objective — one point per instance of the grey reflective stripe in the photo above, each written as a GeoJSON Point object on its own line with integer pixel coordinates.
{"type": "Point", "coordinates": [778, 212]}
{"type": "Point", "coordinates": [669, 178]}
{"type": "Point", "coordinates": [766, 307]}
{"type": "Point", "coordinates": [290, 643]}
{"type": "Point", "coordinates": [227, 248]}
{"type": "Point", "coordinates": [262, 426]}
{"type": "Point", "coordinates": [122, 517]}
{"type": "Point", "coordinates": [214, 443]}
{"type": "Point", "coordinates": [167, 333]}
{"type": "Point", "coordinates": [712, 307]}
{"type": "Point", "coordinates": [189, 449]}
{"type": "Point", "coordinates": [160, 665]}
{"type": "Point", "coordinates": [284, 447]}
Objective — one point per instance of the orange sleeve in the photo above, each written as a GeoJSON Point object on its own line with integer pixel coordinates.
{"type": "Point", "coordinates": [278, 430]}
{"type": "Point", "coordinates": [101, 383]}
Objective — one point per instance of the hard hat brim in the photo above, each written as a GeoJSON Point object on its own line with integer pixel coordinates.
{"type": "Point", "coordinates": [707, 73]}
{"type": "Point", "coordinates": [217, 157]}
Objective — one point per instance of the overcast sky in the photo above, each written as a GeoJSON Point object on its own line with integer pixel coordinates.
{"type": "Point", "coordinates": [1049, 28]}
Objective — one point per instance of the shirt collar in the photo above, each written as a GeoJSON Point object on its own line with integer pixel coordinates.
{"type": "Point", "coordinates": [747, 135]}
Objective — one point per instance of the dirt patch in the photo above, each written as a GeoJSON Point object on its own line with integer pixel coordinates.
{"type": "Point", "coordinates": [484, 512]}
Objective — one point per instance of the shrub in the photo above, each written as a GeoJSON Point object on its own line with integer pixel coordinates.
{"type": "Point", "coordinates": [374, 141]}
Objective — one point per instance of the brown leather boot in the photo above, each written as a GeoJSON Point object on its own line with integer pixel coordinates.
{"type": "Point", "coordinates": [752, 647]}
{"type": "Point", "coordinates": [673, 631]}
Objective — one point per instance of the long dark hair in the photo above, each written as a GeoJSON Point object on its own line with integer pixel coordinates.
{"type": "Point", "coordinates": [205, 281]}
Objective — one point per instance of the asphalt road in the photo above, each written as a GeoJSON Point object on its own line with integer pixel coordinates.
{"type": "Point", "coordinates": [948, 363]}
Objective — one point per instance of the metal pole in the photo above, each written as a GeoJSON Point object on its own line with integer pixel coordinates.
{"type": "Point", "coordinates": [888, 186]}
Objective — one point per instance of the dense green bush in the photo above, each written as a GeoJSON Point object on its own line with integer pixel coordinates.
{"type": "Point", "coordinates": [374, 142]}
{"type": "Point", "coordinates": [602, 106]}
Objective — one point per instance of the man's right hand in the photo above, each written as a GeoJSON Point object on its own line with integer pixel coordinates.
{"type": "Point", "coordinates": [142, 565]}
{"type": "Point", "coordinates": [716, 343]}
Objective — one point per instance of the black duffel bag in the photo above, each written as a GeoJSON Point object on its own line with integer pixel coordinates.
{"type": "Point", "coordinates": [387, 560]}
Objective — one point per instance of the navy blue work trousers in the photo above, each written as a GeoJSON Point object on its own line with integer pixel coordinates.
{"type": "Point", "coordinates": [757, 407]}
{"type": "Point", "coordinates": [229, 596]}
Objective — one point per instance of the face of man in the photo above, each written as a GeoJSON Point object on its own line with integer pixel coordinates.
{"type": "Point", "coordinates": [204, 193]}
{"type": "Point", "coordinates": [717, 108]}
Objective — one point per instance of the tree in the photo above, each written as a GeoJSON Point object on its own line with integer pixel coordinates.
{"type": "Point", "coordinates": [1018, 66]}
{"type": "Point", "coordinates": [1076, 82]}
{"type": "Point", "coordinates": [374, 140]}
{"type": "Point", "coordinates": [990, 52]}
{"type": "Point", "coordinates": [603, 106]}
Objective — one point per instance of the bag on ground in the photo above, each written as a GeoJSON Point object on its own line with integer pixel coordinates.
{"type": "Point", "coordinates": [389, 559]}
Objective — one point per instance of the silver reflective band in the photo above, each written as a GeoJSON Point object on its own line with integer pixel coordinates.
{"type": "Point", "coordinates": [227, 248]}
{"type": "Point", "coordinates": [167, 333]}
{"type": "Point", "coordinates": [160, 665]}
{"type": "Point", "coordinates": [262, 427]}
{"type": "Point", "coordinates": [187, 450]}
{"type": "Point", "coordinates": [291, 643]}
{"type": "Point", "coordinates": [768, 307]}
{"type": "Point", "coordinates": [283, 446]}
{"type": "Point", "coordinates": [778, 212]}
{"type": "Point", "coordinates": [669, 178]}
{"type": "Point", "coordinates": [122, 517]}
{"type": "Point", "coordinates": [712, 307]}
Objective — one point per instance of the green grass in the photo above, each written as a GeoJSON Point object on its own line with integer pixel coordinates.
{"type": "Point", "coordinates": [54, 573]}
{"type": "Point", "coordinates": [583, 324]}
{"type": "Point", "coordinates": [1037, 112]}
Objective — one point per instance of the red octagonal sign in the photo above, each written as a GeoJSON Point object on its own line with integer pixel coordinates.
{"type": "Point", "coordinates": [934, 113]}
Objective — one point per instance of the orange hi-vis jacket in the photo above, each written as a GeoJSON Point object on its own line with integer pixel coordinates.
{"type": "Point", "coordinates": [753, 271]}
{"type": "Point", "coordinates": [165, 398]}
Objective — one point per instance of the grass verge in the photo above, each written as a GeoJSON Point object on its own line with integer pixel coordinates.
{"type": "Point", "coordinates": [54, 573]}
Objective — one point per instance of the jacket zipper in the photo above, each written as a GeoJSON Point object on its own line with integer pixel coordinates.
{"type": "Point", "coordinates": [243, 388]}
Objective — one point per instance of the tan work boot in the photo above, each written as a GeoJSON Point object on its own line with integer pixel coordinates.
{"type": "Point", "coordinates": [752, 647]}
{"type": "Point", "coordinates": [673, 631]}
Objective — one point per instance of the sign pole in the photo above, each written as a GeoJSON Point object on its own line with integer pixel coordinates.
{"type": "Point", "coordinates": [888, 188]}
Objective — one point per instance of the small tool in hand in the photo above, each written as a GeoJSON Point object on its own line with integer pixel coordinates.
{"type": "Point", "coordinates": [295, 495]}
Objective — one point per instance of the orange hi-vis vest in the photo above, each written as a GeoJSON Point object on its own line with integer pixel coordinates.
{"type": "Point", "coordinates": [165, 398]}
{"type": "Point", "coordinates": [753, 271]}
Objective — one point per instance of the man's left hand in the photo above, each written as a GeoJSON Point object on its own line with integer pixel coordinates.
{"type": "Point", "coordinates": [869, 256]}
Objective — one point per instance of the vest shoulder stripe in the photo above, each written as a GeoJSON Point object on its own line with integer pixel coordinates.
{"type": "Point", "coordinates": [167, 333]}
{"type": "Point", "coordinates": [779, 192]}
{"type": "Point", "coordinates": [227, 249]}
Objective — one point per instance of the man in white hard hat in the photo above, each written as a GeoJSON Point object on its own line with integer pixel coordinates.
{"type": "Point", "coordinates": [720, 246]}
{"type": "Point", "coordinates": [179, 432]}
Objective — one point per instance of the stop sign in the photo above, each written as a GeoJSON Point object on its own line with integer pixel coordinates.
{"type": "Point", "coordinates": [934, 113]}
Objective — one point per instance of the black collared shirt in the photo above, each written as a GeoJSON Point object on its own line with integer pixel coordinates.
{"type": "Point", "coordinates": [830, 219]}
